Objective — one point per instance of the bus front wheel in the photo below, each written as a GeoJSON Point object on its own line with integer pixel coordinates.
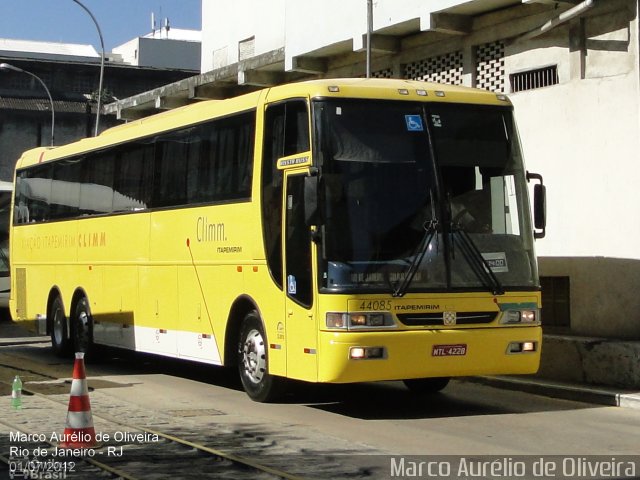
{"type": "Point", "coordinates": [426, 385]}
{"type": "Point", "coordinates": [253, 362]}
{"type": "Point", "coordinates": [59, 333]}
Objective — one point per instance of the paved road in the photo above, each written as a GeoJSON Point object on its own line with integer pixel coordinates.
{"type": "Point", "coordinates": [331, 426]}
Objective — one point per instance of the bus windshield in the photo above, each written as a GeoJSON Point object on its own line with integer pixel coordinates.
{"type": "Point", "coordinates": [421, 197]}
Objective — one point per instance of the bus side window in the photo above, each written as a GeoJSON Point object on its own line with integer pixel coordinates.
{"type": "Point", "coordinates": [299, 280]}
{"type": "Point", "coordinates": [133, 181]}
{"type": "Point", "coordinates": [20, 210]}
{"type": "Point", "coordinates": [35, 194]}
{"type": "Point", "coordinates": [65, 189]}
{"type": "Point", "coordinates": [286, 132]}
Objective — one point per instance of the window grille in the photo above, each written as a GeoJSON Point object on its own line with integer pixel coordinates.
{"type": "Point", "coordinates": [490, 71]}
{"type": "Point", "coordinates": [441, 69]}
{"type": "Point", "coordinates": [247, 48]}
{"type": "Point", "coordinates": [532, 79]}
{"type": "Point", "coordinates": [385, 73]}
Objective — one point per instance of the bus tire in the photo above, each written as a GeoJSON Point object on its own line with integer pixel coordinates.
{"type": "Point", "coordinates": [253, 362]}
{"type": "Point", "coordinates": [59, 333]}
{"type": "Point", "coordinates": [82, 327]}
{"type": "Point", "coordinates": [426, 385]}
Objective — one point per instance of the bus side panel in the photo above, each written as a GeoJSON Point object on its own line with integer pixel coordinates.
{"type": "Point", "coordinates": [43, 261]}
{"type": "Point", "coordinates": [156, 327]}
{"type": "Point", "coordinates": [113, 309]}
{"type": "Point", "coordinates": [110, 250]}
{"type": "Point", "coordinates": [199, 317]}
{"type": "Point", "coordinates": [212, 245]}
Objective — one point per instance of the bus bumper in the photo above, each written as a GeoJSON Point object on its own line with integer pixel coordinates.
{"type": "Point", "coordinates": [428, 353]}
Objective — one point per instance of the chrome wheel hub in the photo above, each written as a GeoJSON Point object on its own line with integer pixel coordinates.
{"type": "Point", "coordinates": [254, 356]}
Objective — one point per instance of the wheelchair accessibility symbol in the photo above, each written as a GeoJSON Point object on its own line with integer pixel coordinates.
{"type": "Point", "coordinates": [292, 287]}
{"type": "Point", "coordinates": [414, 123]}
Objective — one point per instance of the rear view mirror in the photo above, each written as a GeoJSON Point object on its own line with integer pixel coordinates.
{"type": "Point", "coordinates": [540, 209]}
{"type": "Point", "coordinates": [539, 205]}
{"type": "Point", "coordinates": [311, 215]}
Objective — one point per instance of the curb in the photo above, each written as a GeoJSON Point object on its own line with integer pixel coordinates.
{"type": "Point", "coordinates": [578, 393]}
{"type": "Point", "coordinates": [4, 342]}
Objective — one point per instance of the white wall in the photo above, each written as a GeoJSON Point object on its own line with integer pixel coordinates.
{"type": "Point", "coordinates": [161, 53]}
{"type": "Point", "coordinates": [582, 135]}
{"type": "Point", "coordinates": [301, 26]}
{"type": "Point", "coordinates": [225, 24]}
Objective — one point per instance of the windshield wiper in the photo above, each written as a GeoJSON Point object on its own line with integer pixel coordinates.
{"type": "Point", "coordinates": [475, 259]}
{"type": "Point", "coordinates": [430, 229]}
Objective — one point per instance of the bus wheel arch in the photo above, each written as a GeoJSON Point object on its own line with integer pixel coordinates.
{"type": "Point", "coordinates": [58, 324]}
{"type": "Point", "coordinates": [81, 322]}
{"type": "Point", "coordinates": [239, 310]}
{"type": "Point", "coordinates": [253, 361]}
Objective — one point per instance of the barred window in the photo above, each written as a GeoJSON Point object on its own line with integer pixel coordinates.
{"type": "Point", "coordinates": [532, 79]}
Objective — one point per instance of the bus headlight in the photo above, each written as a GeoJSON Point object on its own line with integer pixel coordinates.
{"type": "Point", "coordinates": [522, 347]}
{"type": "Point", "coordinates": [530, 317]}
{"type": "Point", "coordinates": [359, 320]}
{"type": "Point", "coordinates": [367, 353]}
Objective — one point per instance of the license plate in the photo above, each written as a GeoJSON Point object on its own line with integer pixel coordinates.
{"type": "Point", "coordinates": [449, 350]}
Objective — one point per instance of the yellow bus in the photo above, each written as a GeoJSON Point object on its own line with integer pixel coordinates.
{"type": "Point", "coordinates": [336, 231]}
{"type": "Point", "coordinates": [6, 194]}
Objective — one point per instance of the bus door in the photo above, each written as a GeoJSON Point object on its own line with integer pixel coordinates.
{"type": "Point", "coordinates": [301, 328]}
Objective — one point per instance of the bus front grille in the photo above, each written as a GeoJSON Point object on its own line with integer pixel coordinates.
{"type": "Point", "coordinates": [438, 319]}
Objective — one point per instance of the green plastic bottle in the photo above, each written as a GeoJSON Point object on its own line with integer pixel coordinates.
{"type": "Point", "coordinates": [16, 393]}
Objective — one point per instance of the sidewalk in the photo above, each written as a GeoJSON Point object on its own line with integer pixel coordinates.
{"type": "Point", "coordinates": [14, 334]}
{"type": "Point", "coordinates": [595, 394]}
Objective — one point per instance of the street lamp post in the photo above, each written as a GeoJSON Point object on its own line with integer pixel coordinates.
{"type": "Point", "coordinates": [369, 33]}
{"type": "Point", "coordinates": [7, 66]}
{"type": "Point", "coordinates": [99, 106]}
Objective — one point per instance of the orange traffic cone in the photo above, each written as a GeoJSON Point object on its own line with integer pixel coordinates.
{"type": "Point", "coordinates": [79, 431]}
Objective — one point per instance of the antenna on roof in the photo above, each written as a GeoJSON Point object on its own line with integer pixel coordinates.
{"type": "Point", "coordinates": [153, 23]}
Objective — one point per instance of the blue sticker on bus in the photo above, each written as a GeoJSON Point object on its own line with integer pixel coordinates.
{"type": "Point", "coordinates": [292, 288]}
{"type": "Point", "coordinates": [414, 123]}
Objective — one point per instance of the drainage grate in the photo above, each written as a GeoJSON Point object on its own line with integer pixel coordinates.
{"type": "Point", "coordinates": [202, 412]}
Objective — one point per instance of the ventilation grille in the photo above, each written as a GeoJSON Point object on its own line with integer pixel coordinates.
{"type": "Point", "coordinates": [21, 293]}
{"type": "Point", "coordinates": [532, 79]}
{"type": "Point", "coordinates": [441, 69]}
{"type": "Point", "coordinates": [385, 73]}
{"type": "Point", "coordinates": [462, 318]}
{"type": "Point", "coordinates": [247, 48]}
{"type": "Point", "coordinates": [491, 72]}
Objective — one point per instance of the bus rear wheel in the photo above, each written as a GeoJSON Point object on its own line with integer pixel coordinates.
{"type": "Point", "coordinates": [253, 360]}
{"type": "Point", "coordinates": [426, 385]}
{"type": "Point", "coordinates": [59, 333]}
{"type": "Point", "coordinates": [82, 327]}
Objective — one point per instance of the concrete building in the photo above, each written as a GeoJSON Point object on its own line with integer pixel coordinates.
{"type": "Point", "coordinates": [572, 69]}
{"type": "Point", "coordinates": [71, 73]}
{"type": "Point", "coordinates": [164, 48]}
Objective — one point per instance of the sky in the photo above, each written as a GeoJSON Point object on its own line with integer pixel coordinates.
{"type": "Point", "coordinates": [67, 22]}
